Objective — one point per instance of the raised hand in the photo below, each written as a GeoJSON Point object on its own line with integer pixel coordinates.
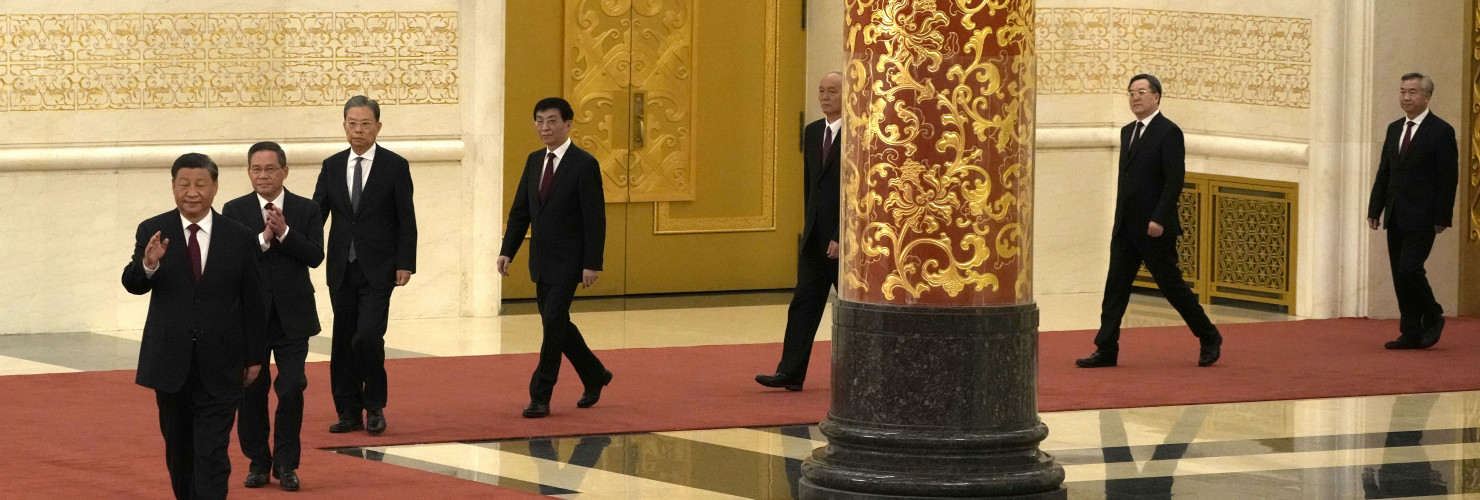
{"type": "Point", "coordinates": [155, 250]}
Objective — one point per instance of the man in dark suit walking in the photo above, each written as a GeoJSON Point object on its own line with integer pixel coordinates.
{"type": "Point", "coordinates": [372, 250]}
{"type": "Point", "coordinates": [287, 253]}
{"type": "Point", "coordinates": [203, 336]}
{"type": "Point", "coordinates": [559, 194]}
{"type": "Point", "coordinates": [817, 257]}
{"type": "Point", "coordinates": [1413, 198]}
{"type": "Point", "coordinates": [1152, 168]}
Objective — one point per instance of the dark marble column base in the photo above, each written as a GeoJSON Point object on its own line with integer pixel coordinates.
{"type": "Point", "coordinates": [933, 402]}
{"type": "Point", "coordinates": [809, 491]}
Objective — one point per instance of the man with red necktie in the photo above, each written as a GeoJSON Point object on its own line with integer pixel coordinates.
{"type": "Point", "coordinates": [1413, 198]}
{"type": "Point", "coordinates": [290, 233]}
{"type": "Point", "coordinates": [560, 195]}
{"type": "Point", "coordinates": [203, 337]}
{"type": "Point", "coordinates": [817, 255]}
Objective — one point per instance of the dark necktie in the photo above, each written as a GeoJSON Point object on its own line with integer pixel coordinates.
{"type": "Point", "coordinates": [354, 190]}
{"type": "Point", "coordinates": [1136, 136]}
{"type": "Point", "coordinates": [1407, 137]}
{"type": "Point", "coordinates": [548, 179]}
{"type": "Point", "coordinates": [193, 247]}
{"type": "Point", "coordinates": [826, 142]}
{"type": "Point", "coordinates": [354, 199]}
{"type": "Point", "coordinates": [271, 243]}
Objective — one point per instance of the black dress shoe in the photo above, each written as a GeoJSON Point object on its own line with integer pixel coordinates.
{"type": "Point", "coordinates": [1096, 360]}
{"type": "Point", "coordinates": [374, 421]}
{"type": "Point", "coordinates": [1402, 342]}
{"type": "Point", "coordinates": [592, 395]}
{"type": "Point", "coordinates": [779, 380]}
{"type": "Point", "coordinates": [537, 410]}
{"type": "Point", "coordinates": [255, 479]}
{"type": "Point", "coordinates": [287, 478]}
{"type": "Point", "coordinates": [1431, 334]}
{"type": "Point", "coordinates": [347, 425]}
{"type": "Point", "coordinates": [1208, 355]}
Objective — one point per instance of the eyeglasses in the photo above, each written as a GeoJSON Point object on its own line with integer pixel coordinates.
{"type": "Point", "coordinates": [1134, 93]}
{"type": "Point", "coordinates": [359, 125]}
{"type": "Point", "coordinates": [270, 170]}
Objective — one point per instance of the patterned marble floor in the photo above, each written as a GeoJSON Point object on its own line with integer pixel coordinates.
{"type": "Point", "coordinates": [1416, 445]}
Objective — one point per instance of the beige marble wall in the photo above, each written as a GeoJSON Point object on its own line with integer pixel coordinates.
{"type": "Point", "coordinates": [84, 159]}
{"type": "Point", "coordinates": [1429, 37]}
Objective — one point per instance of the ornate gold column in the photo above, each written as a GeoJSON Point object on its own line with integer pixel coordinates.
{"type": "Point", "coordinates": [936, 332]}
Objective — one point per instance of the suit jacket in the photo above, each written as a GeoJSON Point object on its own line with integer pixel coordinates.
{"type": "Point", "coordinates": [570, 228]}
{"type": "Point", "coordinates": [383, 227]}
{"type": "Point", "coordinates": [223, 312]}
{"type": "Point", "coordinates": [1417, 191]}
{"type": "Point", "coordinates": [284, 268]}
{"type": "Point", "coordinates": [821, 189]}
{"type": "Point", "coordinates": [1151, 175]}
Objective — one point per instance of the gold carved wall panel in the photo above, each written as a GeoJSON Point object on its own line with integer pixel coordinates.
{"type": "Point", "coordinates": [1200, 56]}
{"type": "Point", "coordinates": [1238, 240]}
{"type": "Point", "coordinates": [66, 62]}
{"type": "Point", "coordinates": [629, 78]}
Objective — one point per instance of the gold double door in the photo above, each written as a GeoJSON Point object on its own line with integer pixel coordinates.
{"type": "Point", "coordinates": [693, 109]}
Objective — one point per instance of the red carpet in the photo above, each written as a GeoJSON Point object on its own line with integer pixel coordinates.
{"type": "Point", "coordinates": [95, 434]}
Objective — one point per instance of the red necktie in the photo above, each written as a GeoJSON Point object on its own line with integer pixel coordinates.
{"type": "Point", "coordinates": [194, 249]}
{"type": "Point", "coordinates": [826, 142]}
{"type": "Point", "coordinates": [1407, 137]}
{"type": "Point", "coordinates": [548, 179]}
{"type": "Point", "coordinates": [271, 243]}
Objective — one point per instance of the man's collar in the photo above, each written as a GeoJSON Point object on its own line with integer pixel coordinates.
{"type": "Point", "coordinates": [369, 153]}
{"type": "Point", "coordinates": [1418, 120]}
{"type": "Point", "coordinates": [1147, 122]}
{"type": "Point", "coordinates": [560, 151]}
{"type": "Point", "coordinates": [262, 202]}
{"type": "Point", "coordinates": [205, 222]}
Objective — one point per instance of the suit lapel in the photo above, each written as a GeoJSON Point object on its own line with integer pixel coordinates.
{"type": "Point", "coordinates": [1146, 136]}
{"type": "Point", "coordinates": [212, 257]}
{"type": "Point", "coordinates": [371, 178]}
{"type": "Point", "coordinates": [823, 163]}
{"type": "Point", "coordinates": [563, 173]}
{"type": "Point", "coordinates": [1420, 137]}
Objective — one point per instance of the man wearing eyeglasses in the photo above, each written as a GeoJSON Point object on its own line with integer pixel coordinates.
{"type": "Point", "coordinates": [1413, 198]}
{"type": "Point", "coordinates": [288, 251]}
{"type": "Point", "coordinates": [372, 250]}
{"type": "Point", "coordinates": [1152, 168]}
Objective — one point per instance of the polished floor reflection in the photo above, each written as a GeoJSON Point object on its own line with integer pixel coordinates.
{"type": "Point", "coordinates": [1402, 446]}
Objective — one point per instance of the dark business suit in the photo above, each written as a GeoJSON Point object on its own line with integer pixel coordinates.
{"type": "Point", "coordinates": [569, 235]}
{"type": "Point", "coordinates": [1152, 170]}
{"type": "Point", "coordinates": [1411, 195]}
{"type": "Point", "coordinates": [198, 338]}
{"type": "Point", "coordinates": [816, 273]}
{"type": "Point", "coordinates": [292, 318]}
{"type": "Point", "coordinates": [382, 228]}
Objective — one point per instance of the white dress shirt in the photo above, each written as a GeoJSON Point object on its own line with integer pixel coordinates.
{"type": "Point", "coordinates": [1417, 122]}
{"type": "Point", "coordinates": [349, 170]}
{"type": "Point", "coordinates": [559, 155]}
{"type": "Point", "coordinates": [276, 202]}
{"type": "Point", "coordinates": [202, 238]}
{"type": "Point", "coordinates": [1145, 124]}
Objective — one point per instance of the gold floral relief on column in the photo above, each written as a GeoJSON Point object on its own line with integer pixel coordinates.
{"type": "Point", "coordinates": [938, 167]}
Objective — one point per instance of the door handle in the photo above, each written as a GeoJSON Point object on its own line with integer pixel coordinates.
{"type": "Point", "coordinates": [639, 119]}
